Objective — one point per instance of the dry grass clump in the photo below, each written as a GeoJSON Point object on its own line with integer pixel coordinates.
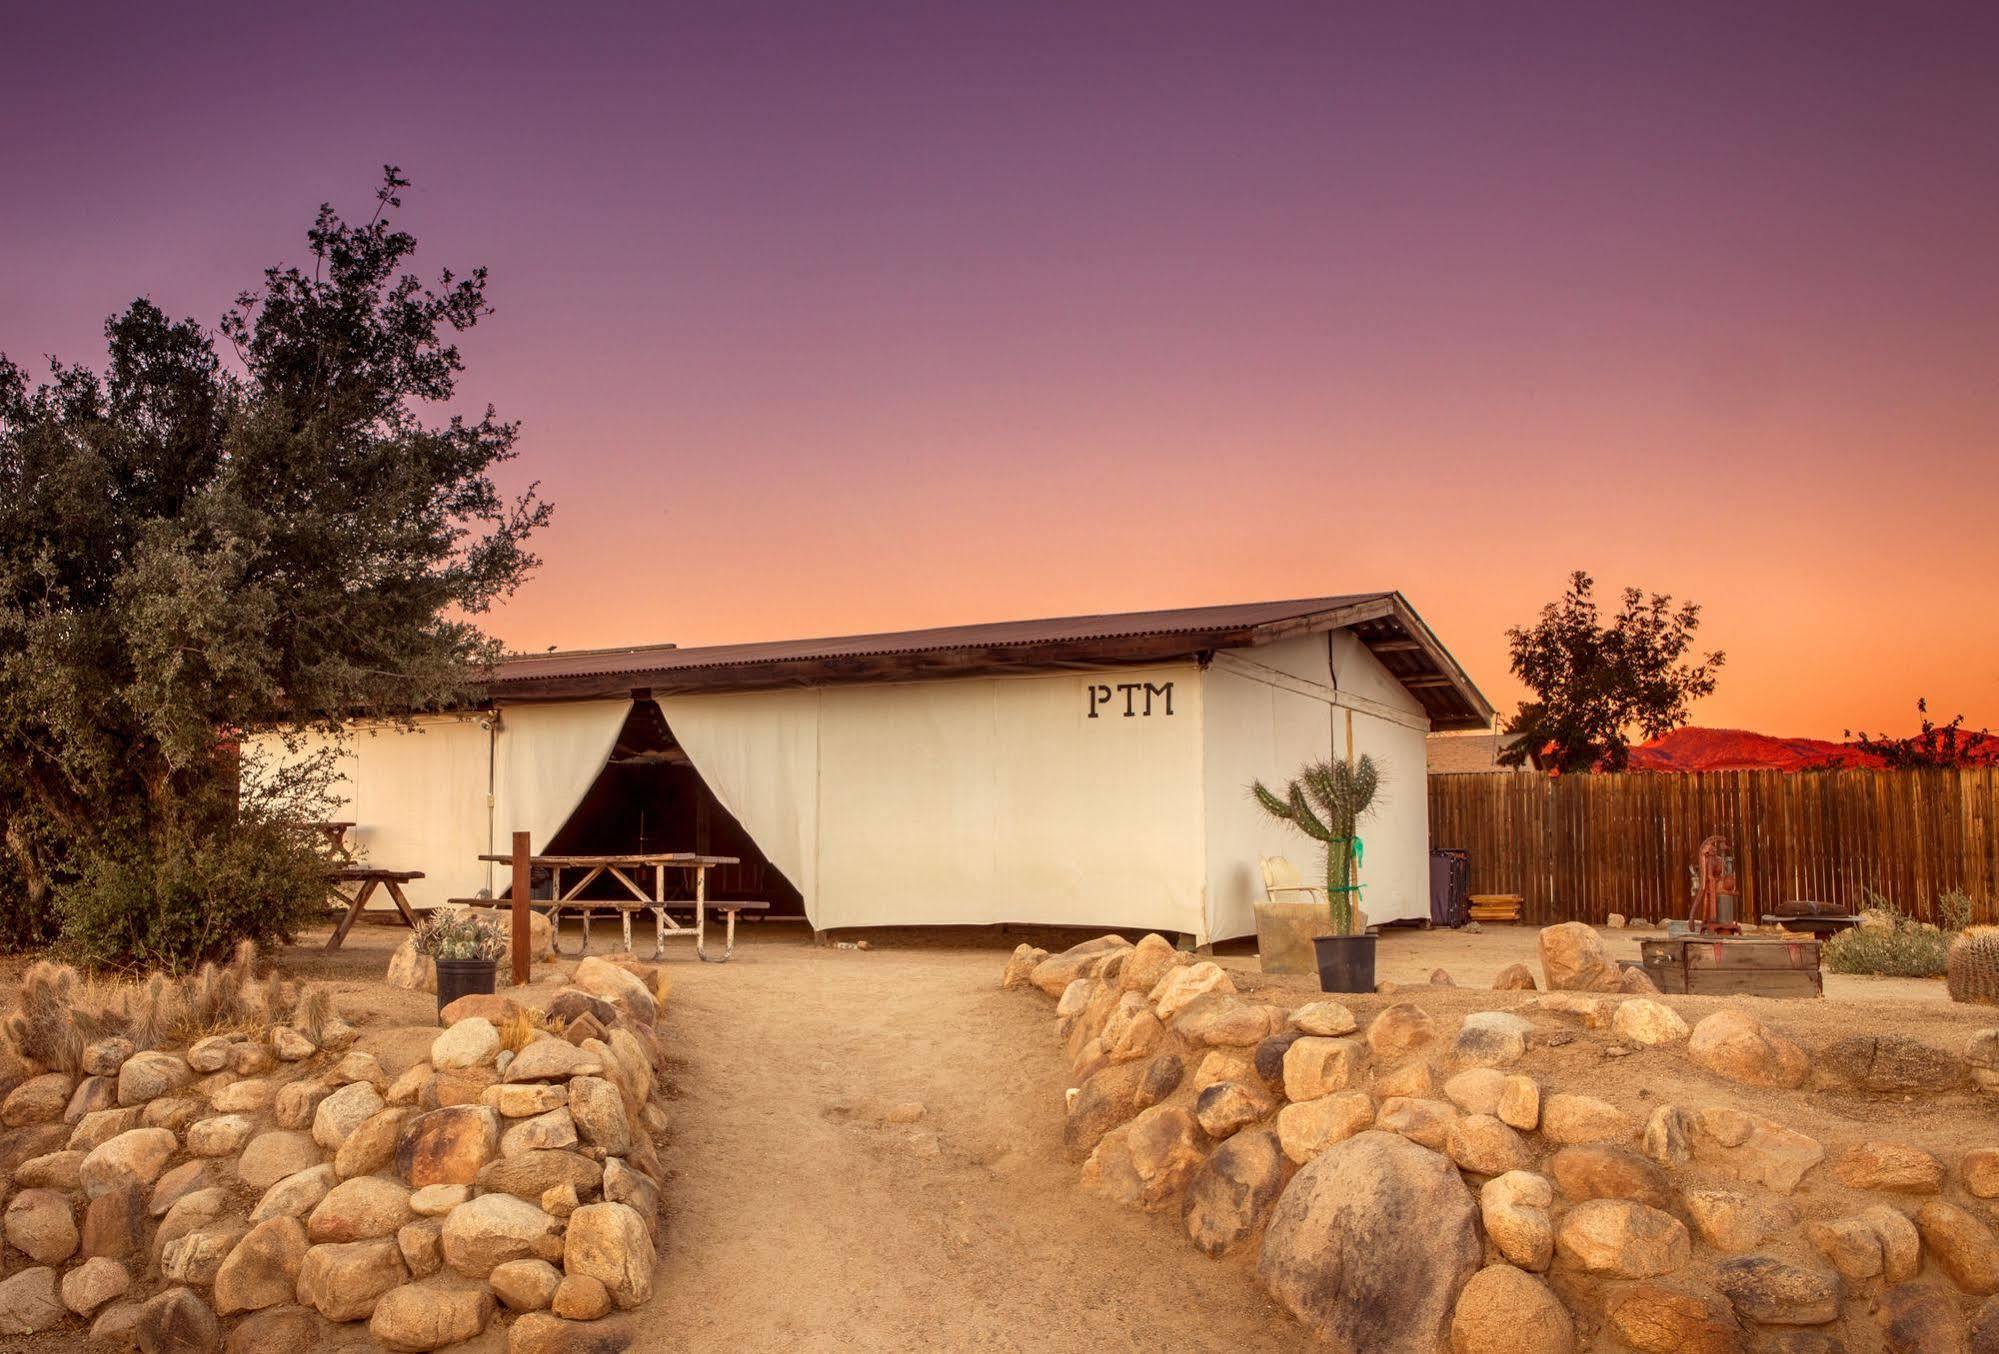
{"type": "Point", "coordinates": [516, 1031]}
{"type": "Point", "coordinates": [60, 1012]}
{"type": "Point", "coordinates": [40, 1029]}
{"type": "Point", "coordinates": [527, 1024]}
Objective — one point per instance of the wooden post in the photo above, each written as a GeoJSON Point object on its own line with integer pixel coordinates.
{"type": "Point", "coordinates": [520, 909]}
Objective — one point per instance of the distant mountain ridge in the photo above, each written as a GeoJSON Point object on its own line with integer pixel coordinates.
{"type": "Point", "coordinates": [1698, 749]}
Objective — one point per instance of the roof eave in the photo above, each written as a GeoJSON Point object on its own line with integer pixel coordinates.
{"type": "Point", "coordinates": [1457, 704]}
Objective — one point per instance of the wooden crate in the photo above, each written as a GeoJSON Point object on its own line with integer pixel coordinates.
{"type": "Point", "coordinates": [1756, 966]}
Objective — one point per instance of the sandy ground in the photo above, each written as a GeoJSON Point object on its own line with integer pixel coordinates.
{"type": "Point", "coordinates": [801, 1214]}
{"type": "Point", "coordinates": [801, 1218]}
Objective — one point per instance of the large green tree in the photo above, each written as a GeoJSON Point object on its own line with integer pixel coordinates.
{"type": "Point", "coordinates": [194, 543]}
{"type": "Point", "coordinates": [1594, 682]}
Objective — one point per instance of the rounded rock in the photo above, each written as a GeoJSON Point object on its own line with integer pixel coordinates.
{"type": "Point", "coordinates": [471, 1042]}
{"type": "Point", "coordinates": [92, 1284]}
{"type": "Point", "coordinates": [1370, 1245]}
{"type": "Point", "coordinates": [1621, 1239]}
{"type": "Point", "coordinates": [609, 1242]}
{"type": "Point", "coordinates": [134, 1157]}
{"type": "Point", "coordinates": [272, 1156]}
{"type": "Point", "coordinates": [1734, 1044]}
{"type": "Point", "coordinates": [1503, 1310]}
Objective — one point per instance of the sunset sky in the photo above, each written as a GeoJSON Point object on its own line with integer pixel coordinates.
{"type": "Point", "coordinates": [824, 318]}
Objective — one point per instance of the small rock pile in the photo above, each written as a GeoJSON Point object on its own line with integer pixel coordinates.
{"type": "Point", "coordinates": [1403, 1185]}
{"type": "Point", "coordinates": [251, 1195]}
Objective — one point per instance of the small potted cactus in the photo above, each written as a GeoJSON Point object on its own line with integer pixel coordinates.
{"type": "Point", "coordinates": [466, 947]}
{"type": "Point", "coordinates": [1326, 802]}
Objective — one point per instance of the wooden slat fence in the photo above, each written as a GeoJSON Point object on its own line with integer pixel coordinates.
{"type": "Point", "coordinates": [1577, 848]}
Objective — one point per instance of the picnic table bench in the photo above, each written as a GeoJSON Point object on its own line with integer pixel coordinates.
{"type": "Point", "coordinates": [335, 832]}
{"type": "Point", "coordinates": [364, 880]}
{"type": "Point", "coordinates": [635, 873]}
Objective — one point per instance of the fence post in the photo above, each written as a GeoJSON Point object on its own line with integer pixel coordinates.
{"type": "Point", "coordinates": [520, 909]}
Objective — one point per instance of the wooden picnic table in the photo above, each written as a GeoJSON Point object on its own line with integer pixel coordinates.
{"type": "Point", "coordinates": [635, 872]}
{"type": "Point", "coordinates": [366, 879]}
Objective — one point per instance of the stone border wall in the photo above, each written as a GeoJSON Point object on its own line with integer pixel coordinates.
{"type": "Point", "coordinates": [276, 1192]}
{"type": "Point", "coordinates": [1403, 1185]}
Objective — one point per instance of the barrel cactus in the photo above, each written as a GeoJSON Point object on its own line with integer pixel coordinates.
{"type": "Point", "coordinates": [1972, 967]}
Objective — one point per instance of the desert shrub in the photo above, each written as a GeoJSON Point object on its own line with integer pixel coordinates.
{"type": "Point", "coordinates": [192, 549]}
{"type": "Point", "coordinates": [1954, 908]}
{"type": "Point", "coordinates": [190, 897]}
{"type": "Point", "coordinates": [1889, 942]}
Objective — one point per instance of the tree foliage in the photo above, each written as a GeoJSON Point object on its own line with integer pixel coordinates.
{"type": "Point", "coordinates": [1934, 746]}
{"type": "Point", "coordinates": [191, 547]}
{"type": "Point", "coordinates": [1326, 802]}
{"type": "Point", "coordinates": [1593, 683]}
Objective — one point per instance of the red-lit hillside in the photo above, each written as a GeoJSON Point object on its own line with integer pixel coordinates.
{"type": "Point", "coordinates": [1695, 749]}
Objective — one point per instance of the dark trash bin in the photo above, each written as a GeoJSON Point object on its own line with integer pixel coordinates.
{"type": "Point", "coordinates": [1450, 886]}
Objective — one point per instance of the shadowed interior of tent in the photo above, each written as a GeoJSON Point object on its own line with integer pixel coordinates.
{"type": "Point", "coordinates": [649, 798]}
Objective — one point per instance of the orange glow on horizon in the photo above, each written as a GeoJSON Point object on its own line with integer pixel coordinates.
{"type": "Point", "coordinates": [822, 319]}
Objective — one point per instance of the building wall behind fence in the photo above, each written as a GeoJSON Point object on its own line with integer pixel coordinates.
{"type": "Point", "coordinates": [1577, 848]}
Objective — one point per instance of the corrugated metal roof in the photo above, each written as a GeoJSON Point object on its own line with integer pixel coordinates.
{"type": "Point", "coordinates": [995, 635]}
{"type": "Point", "coordinates": [1384, 621]}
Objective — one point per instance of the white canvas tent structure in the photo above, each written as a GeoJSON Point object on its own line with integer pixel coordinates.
{"type": "Point", "coordinates": [1087, 771]}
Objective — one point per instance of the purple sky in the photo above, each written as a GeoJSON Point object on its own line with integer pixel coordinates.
{"type": "Point", "coordinates": [825, 318]}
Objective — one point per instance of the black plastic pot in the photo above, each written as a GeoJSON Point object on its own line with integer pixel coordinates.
{"type": "Point", "coordinates": [462, 977]}
{"type": "Point", "coordinates": [1346, 963]}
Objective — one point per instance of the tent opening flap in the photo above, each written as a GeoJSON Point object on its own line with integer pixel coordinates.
{"type": "Point", "coordinates": [545, 758]}
{"type": "Point", "coordinates": [649, 798]}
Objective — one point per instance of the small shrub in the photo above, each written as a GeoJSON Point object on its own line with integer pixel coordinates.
{"type": "Point", "coordinates": [314, 1013]}
{"type": "Point", "coordinates": [194, 897]}
{"type": "Point", "coordinates": [153, 1012]}
{"type": "Point", "coordinates": [1890, 943]}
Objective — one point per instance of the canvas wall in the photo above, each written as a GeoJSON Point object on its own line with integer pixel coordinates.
{"type": "Point", "coordinates": [416, 797]}
{"type": "Point", "coordinates": [969, 802]}
{"type": "Point", "coordinates": [1003, 799]}
{"type": "Point", "coordinates": [1270, 710]}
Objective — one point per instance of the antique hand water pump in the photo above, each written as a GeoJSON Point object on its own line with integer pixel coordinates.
{"type": "Point", "coordinates": [1713, 885]}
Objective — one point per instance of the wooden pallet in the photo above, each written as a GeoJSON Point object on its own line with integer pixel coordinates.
{"type": "Point", "coordinates": [1495, 907]}
{"type": "Point", "coordinates": [1757, 966]}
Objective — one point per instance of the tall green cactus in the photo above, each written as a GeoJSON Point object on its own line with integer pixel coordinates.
{"type": "Point", "coordinates": [1342, 793]}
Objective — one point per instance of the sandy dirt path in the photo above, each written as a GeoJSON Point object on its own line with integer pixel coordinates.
{"type": "Point", "coordinates": [800, 1217]}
